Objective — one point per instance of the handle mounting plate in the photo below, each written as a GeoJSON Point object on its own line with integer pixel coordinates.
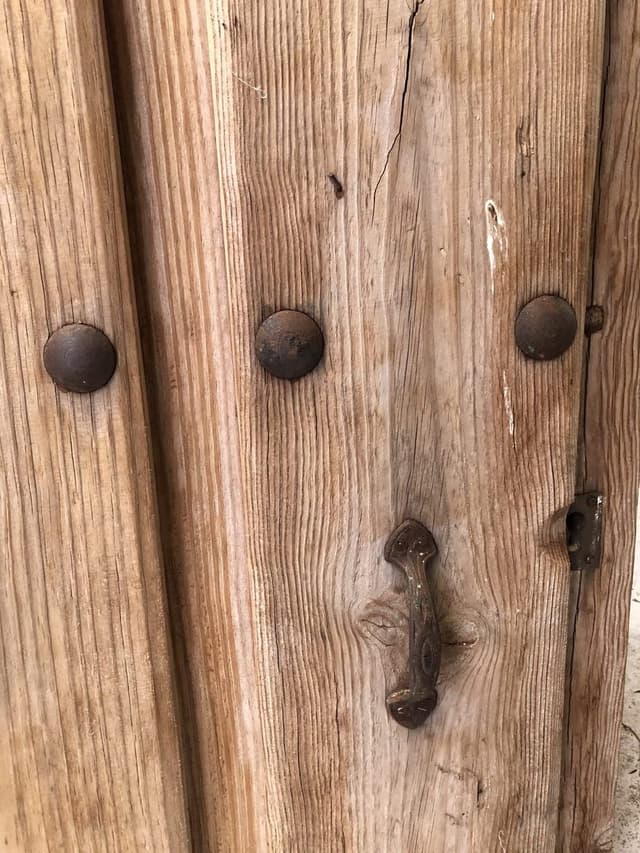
{"type": "Point", "coordinates": [410, 548]}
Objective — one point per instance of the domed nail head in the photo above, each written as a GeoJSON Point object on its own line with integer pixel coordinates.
{"type": "Point", "coordinates": [289, 344]}
{"type": "Point", "coordinates": [79, 358]}
{"type": "Point", "coordinates": [546, 327]}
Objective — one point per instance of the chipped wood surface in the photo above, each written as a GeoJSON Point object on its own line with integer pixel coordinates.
{"type": "Point", "coordinates": [88, 745]}
{"type": "Point", "coordinates": [610, 459]}
{"type": "Point", "coordinates": [464, 138]}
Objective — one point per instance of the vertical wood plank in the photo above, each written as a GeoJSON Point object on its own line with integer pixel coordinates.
{"type": "Point", "coordinates": [465, 137]}
{"type": "Point", "coordinates": [89, 745]}
{"type": "Point", "coordinates": [611, 459]}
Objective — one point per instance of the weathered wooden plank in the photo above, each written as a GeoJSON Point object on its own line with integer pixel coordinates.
{"type": "Point", "coordinates": [464, 135]}
{"type": "Point", "coordinates": [611, 459]}
{"type": "Point", "coordinates": [88, 738]}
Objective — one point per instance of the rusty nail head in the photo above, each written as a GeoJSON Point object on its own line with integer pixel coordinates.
{"type": "Point", "coordinates": [546, 327]}
{"type": "Point", "coordinates": [289, 344]}
{"type": "Point", "coordinates": [79, 358]}
{"type": "Point", "coordinates": [594, 321]}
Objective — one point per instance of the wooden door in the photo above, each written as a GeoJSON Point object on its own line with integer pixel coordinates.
{"type": "Point", "coordinates": [89, 747]}
{"type": "Point", "coordinates": [410, 176]}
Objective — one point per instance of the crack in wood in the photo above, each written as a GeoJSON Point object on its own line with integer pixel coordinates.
{"type": "Point", "coordinates": [403, 102]}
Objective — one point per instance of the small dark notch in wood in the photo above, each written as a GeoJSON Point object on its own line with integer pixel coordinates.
{"type": "Point", "coordinates": [337, 186]}
{"type": "Point", "coordinates": [232, 25]}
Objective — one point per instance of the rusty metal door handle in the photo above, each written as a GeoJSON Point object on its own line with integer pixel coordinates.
{"type": "Point", "coordinates": [409, 548]}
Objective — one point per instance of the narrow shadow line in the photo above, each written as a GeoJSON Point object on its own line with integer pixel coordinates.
{"type": "Point", "coordinates": [119, 52]}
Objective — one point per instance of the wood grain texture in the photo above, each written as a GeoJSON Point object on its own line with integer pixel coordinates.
{"type": "Point", "coordinates": [88, 745]}
{"type": "Point", "coordinates": [465, 136]}
{"type": "Point", "coordinates": [610, 459]}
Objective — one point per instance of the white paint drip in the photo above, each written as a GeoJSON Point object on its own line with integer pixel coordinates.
{"type": "Point", "coordinates": [508, 406]}
{"type": "Point", "coordinates": [497, 243]}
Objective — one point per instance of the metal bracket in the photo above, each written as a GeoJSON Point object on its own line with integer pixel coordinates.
{"type": "Point", "coordinates": [409, 548]}
{"type": "Point", "coordinates": [584, 531]}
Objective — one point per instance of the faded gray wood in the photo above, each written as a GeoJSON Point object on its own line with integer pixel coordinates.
{"type": "Point", "coordinates": [465, 137]}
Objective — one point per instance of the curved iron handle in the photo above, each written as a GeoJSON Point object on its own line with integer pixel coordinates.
{"type": "Point", "coordinates": [409, 548]}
